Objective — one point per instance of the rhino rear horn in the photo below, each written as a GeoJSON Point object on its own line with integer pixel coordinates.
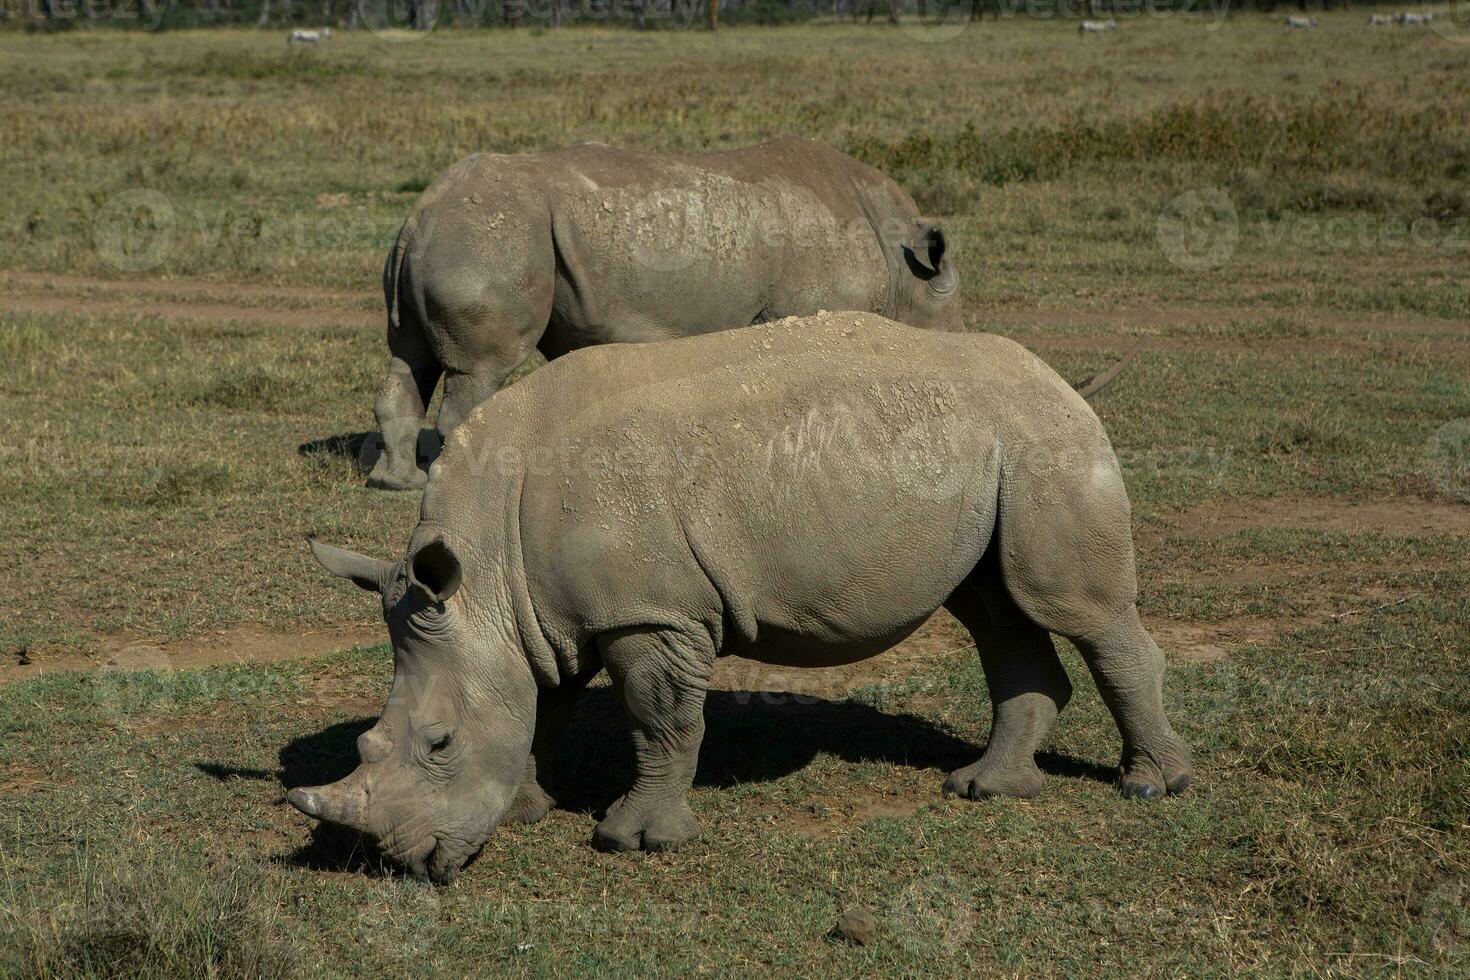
{"type": "Point", "coordinates": [927, 248]}
{"type": "Point", "coordinates": [372, 574]}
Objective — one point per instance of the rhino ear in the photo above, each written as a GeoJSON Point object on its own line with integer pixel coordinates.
{"type": "Point", "coordinates": [372, 574]}
{"type": "Point", "coordinates": [926, 250]}
{"type": "Point", "coordinates": [435, 571]}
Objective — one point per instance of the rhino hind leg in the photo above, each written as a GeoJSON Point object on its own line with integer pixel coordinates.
{"type": "Point", "coordinates": [663, 676]}
{"type": "Point", "coordinates": [1028, 688]}
{"type": "Point", "coordinates": [1067, 560]}
{"type": "Point", "coordinates": [1129, 670]}
{"type": "Point", "coordinates": [535, 797]}
{"type": "Point", "coordinates": [490, 328]}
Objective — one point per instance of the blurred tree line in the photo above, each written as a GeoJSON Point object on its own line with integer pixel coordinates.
{"type": "Point", "coordinates": [639, 14]}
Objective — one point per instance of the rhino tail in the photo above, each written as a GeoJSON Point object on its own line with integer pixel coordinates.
{"type": "Point", "coordinates": [393, 271]}
{"type": "Point", "coordinates": [1091, 386]}
{"type": "Point", "coordinates": [892, 260]}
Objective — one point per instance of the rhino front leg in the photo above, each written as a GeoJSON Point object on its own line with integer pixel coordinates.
{"type": "Point", "coordinates": [663, 676]}
{"type": "Point", "coordinates": [554, 705]}
{"type": "Point", "coordinates": [413, 374]}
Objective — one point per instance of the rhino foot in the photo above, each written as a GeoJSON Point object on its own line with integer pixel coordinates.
{"type": "Point", "coordinates": [383, 479]}
{"type": "Point", "coordinates": [1148, 774]}
{"type": "Point", "coordinates": [654, 826]}
{"type": "Point", "coordinates": [530, 805]}
{"type": "Point", "coordinates": [980, 782]}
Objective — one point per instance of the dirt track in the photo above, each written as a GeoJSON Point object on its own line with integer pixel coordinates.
{"type": "Point", "coordinates": [35, 292]}
{"type": "Point", "coordinates": [27, 292]}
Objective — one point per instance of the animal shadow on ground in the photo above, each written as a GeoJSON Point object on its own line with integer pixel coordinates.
{"type": "Point", "coordinates": [345, 445]}
{"type": "Point", "coordinates": [366, 447]}
{"type": "Point", "coordinates": [750, 736]}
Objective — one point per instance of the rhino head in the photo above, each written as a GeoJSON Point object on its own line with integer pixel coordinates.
{"type": "Point", "coordinates": [929, 295]}
{"type": "Point", "coordinates": [443, 762]}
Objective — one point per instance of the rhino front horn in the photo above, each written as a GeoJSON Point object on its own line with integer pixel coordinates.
{"type": "Point", "coordinates": [340, 803]}
{"type": "Point", "coordinates": [306, 801]}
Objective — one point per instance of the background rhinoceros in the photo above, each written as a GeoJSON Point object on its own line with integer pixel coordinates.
{"type": "Point", "coordinates": [503, 255]}
{"type": "Point", "coordinates": [804, 493]}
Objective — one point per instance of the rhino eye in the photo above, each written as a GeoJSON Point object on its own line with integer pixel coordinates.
{"type": "Point", "coordinates": [440, 744]}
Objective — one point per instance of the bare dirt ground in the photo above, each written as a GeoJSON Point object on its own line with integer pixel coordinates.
{"type": "Point", "coordinates": [241, 645]}
{"type": "Point", "coordinates": [203, 290]}
{"type": "Point", "coordinates": [277, 306]}
{"type": "Point", "coordinates": [1168, 317]}
{"type": "Point", "coordinates": [1319, 345]}
{"type": "Point", "coordinates": [1404, 516]}
{"type": "Point", "coordinates": [38, 292]}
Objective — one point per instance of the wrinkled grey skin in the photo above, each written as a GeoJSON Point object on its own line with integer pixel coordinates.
{"type": "Point", "coordinates": [804, 493]}
{"type": "Point", "coordinates": [506, 254]}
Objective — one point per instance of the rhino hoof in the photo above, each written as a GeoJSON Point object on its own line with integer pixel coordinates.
{"type": "Point", "coordinates": [1148, 775]}
{"type": "Point", "coordinates": [392, 481]}
{"type": "Point", "coordinates": [975, 783]}
{"type": "Point", "coordinates": [660, 830]}
{"type": "Point", "coordinates": [1139, 790]}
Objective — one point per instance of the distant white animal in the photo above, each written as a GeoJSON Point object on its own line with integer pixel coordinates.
{"type": "Point", "coordinates": [1408, 19]}
{"type": "Point", "coordinates": [1097, 26]}
{"type": "Point", "coordinates": [1378, 20]}
{"type": "Point", "coordinates": [299, 36]}
{"type": "Point", "coordinates": [1294, 23]}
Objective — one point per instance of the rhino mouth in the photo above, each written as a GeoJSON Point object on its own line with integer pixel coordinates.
{"type": "Point", "coordinates": [434, 861]}
{"type": "Point", "coordinates": [420, 861]}
{"type": "Point", "coordinates": [444, 867]}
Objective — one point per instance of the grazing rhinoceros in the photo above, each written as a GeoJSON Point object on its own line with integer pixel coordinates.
{"type": "Point", "coordinates": [803, 493]}
{"type": "Point", "coordinates": [503, 255]}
